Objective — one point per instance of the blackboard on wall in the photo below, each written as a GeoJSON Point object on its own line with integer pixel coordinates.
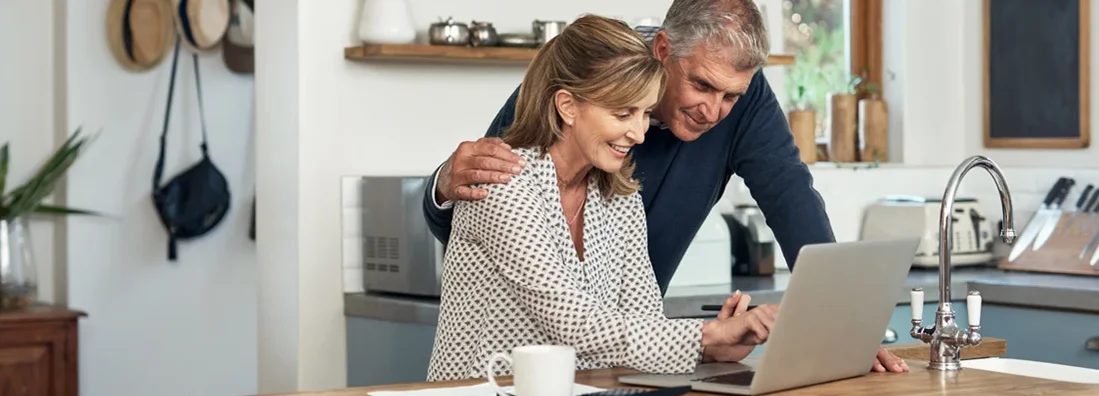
{"type": "Point", "coordinates": [1036, 67]}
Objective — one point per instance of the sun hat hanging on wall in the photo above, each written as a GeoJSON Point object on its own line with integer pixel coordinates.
{"type": "Point", "coordinates": [237, 47]}
{"type": "Point", "coordinates": [140, 32]}
{"type": "Point", "coordinates": [201, 23]}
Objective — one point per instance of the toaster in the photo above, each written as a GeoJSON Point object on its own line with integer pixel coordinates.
{"type": "Point", "coordinates": [907, 216]}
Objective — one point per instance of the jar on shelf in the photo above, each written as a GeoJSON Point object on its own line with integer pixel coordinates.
{"type": "Point", "coordinates": [386, 22]}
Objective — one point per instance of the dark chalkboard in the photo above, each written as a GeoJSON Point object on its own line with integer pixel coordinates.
{"type": "Point", "coordinates": [1036, 73]}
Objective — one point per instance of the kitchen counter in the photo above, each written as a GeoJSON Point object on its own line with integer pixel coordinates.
{"type": "Point", "coordinates": [1052, 291]}
{"type": "Point", "coordinates": [917, 382]}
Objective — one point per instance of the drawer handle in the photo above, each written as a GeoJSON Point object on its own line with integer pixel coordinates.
{"type": "Point", "coordinates": [890, 336]}
{"type": "Point", "coordinates": [1092, 344]}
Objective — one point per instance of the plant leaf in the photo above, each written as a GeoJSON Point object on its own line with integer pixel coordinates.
{"type": "Point", "coordinates": [26, 198]}
{"type": "Point", "coordinates": [51, 209]}
{"type": "Point", "coordinates": [4, 167]}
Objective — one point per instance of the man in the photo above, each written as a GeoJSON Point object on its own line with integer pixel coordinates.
{"type": "Point", "coordinates": [717, 117]}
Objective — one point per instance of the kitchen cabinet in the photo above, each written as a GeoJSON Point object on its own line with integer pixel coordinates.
{"type": "Point", "coordinates": [1045, 335]}
{"type": "Point", "coordinates": [383, 352]}
{"type": "Point", "coordinates": [38, 351]}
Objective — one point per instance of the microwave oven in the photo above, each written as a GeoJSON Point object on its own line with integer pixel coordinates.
{"type": "Point", "coordinates": [400, 255]}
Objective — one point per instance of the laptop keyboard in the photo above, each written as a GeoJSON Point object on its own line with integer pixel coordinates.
{"type": "Point", "coordinates": [743, 378]}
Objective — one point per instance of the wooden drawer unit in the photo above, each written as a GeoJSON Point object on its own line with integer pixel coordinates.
{"type": "Point", "coordinates": [38, 351]}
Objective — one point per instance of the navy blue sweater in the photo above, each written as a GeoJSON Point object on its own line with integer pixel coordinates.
{"type": "Point", "coordinates": [681, 181]}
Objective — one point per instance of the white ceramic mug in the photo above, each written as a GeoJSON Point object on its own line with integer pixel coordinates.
{"type": "Point", "coordinates": [538, 370]}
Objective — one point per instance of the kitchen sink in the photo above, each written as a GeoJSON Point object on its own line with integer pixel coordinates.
{"type": "Point", "coordinates": [1030, 368]}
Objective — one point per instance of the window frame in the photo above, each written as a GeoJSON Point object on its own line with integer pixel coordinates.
{"type": "Point", "coordinates": [865, 40]}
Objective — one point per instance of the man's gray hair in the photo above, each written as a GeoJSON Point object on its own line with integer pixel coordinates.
{"type": "Point", "coordinates": [735, 25]}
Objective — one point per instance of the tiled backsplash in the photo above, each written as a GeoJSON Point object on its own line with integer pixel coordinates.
{"type": "Point", "coordinates": [847, 192]}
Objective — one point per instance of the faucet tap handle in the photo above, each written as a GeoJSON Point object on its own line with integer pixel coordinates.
{"type": "Point", "coordinates": [917, 304]}
{"type": "Point", "coordinates": [973, 308]}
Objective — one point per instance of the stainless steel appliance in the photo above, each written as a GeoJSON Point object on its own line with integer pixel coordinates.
{"type": "Point", "coordinates": [546, 30]}
{"type": "Point", "coordinates": [400, 255]}
{"type": "Point", "coordinates": [902, 216]}
{"type": "Point", "coordinates": [752, 242]}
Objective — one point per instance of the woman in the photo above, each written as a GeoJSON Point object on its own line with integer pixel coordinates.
{"type": "Point", "coordinates": [558, 255]}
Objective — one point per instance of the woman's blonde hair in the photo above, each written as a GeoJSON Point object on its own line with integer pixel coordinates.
{"type": "Point", "coordinates": [600, 61]}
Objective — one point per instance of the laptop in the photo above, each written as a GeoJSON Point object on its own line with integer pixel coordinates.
{"type": "Point", "coordinates": [829, 327]}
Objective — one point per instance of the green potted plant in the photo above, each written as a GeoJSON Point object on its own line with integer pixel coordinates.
{"type": "Point", "coordinates": [18, 269]}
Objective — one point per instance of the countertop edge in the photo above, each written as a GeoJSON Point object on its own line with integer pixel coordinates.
{"type": "Point", "coordinates": [1043, 291]}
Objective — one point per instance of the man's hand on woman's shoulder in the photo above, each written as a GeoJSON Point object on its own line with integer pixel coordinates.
{"type": "Point", "coordinates": [487, 160]}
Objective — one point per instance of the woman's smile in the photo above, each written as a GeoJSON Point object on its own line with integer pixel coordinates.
{"type": "Point", "coordinates": [619, 151]}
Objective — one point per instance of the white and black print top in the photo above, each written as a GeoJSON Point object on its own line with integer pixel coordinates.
{"type": "Point", "coordinates": [512, 277]}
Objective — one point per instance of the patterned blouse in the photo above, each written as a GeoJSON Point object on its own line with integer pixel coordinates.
{"type": "Point", "coordinates": [512, 277]}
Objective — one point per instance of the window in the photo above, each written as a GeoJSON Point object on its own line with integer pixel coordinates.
{"type": "Point", "coordinates": [833, 41]}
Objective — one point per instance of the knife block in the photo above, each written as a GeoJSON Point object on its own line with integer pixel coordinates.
{"type": "Point", "coordinates": [1061, 253]}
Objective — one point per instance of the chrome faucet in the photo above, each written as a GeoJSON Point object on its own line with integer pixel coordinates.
{"type": "Point", "coordinates": [946, 337]}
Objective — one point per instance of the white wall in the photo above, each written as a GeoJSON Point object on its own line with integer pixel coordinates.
{"type": "Point", "coordinates": [26, 113]}
{"type": "Point", "coordinates": [281, 300]}
{"type": "Point", "coordinates": [971, 72]}
{"type": "Point", "coordinates": [154, 326]}
{"type": "Point", "coordinates": [940, 76]}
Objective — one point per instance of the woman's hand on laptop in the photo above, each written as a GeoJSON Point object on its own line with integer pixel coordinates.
{"type": "Point", "coordinates": [735, 305]}
{"type": "Point", "coordinates": [748, 328]}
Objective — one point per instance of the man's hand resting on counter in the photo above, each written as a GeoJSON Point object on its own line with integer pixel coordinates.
{"type": "Point", "coordinates": [887, 361]}
{"type": "Point", "coordinates": [487, 160]}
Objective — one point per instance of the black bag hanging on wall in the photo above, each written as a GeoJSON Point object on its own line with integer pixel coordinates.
{"type": "Point", "coordinates": [195, 201]}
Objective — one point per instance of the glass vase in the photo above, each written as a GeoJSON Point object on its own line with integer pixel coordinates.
{"type": "Point", "coordinates": [18, 270]}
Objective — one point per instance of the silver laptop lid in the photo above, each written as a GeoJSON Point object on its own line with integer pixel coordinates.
{"type": "Point", "coordinates": [834, 312]}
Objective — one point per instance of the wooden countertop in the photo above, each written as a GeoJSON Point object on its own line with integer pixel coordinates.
{"type": "Point", "coordinates": [917, 382]}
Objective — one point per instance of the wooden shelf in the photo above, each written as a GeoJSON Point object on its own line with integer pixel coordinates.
{"type": "Point", "coordinates": [461, 54]}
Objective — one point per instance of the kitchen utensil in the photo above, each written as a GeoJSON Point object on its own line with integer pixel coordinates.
{"type": "Point", "coordinates": [483, 34]}
{"type": "Point", "coordinates": [1092, 206]}
{"type": "Point", "coordinates": [448, 32]}
{"type": "Point", "coordinates": [1054, 215]}
{"type": "Point", "coordinates": [1036, 222]}
{"type": "Point", "coordinates": [1095, 255]}
{"type": "Point", "coordinates": [546, 30]}
{"type": "Point", "coordinates": [524, 40]}
{"type": "Point", "coordinates": [1081, 206]}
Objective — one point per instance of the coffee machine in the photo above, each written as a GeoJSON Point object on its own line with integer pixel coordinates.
{"type": "Point", "coordinates": [753, 243]}
{"type": "Point", "coordinates": [400, 254]}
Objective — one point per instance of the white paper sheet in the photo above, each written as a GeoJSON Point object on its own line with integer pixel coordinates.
{"type": "Point", "coordinates": [482, 389]}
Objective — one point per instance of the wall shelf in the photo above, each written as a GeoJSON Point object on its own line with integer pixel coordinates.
{"type": "Point", "coordinates": [460, 54]}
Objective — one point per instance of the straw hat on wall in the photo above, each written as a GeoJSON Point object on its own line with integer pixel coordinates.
{"type": "Point", "coordinates": [201, 23]}
{"type": "Point", "coordinates": [140, 32]}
